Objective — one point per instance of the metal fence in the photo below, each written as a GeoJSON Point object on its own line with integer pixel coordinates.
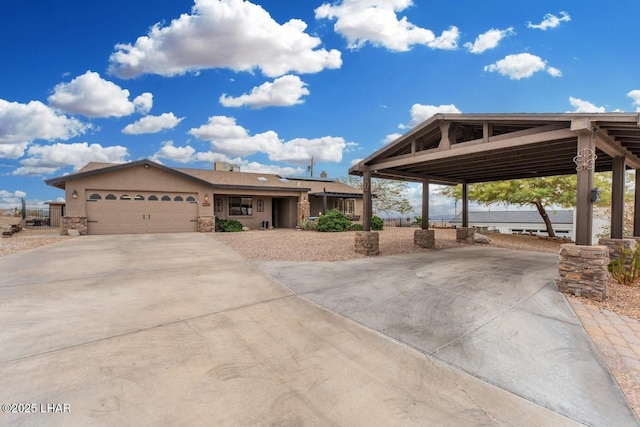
{"type": "Point", "coordinates": [39, 216]}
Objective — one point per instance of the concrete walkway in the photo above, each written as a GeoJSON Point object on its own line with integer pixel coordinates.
{"type": "Point", "coordinates": [493, 313]}
{"type": "Point", "coordinates": [177, 329]}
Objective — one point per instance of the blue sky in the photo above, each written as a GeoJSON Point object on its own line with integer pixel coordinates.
{"type": "Point", "coordinates": [270, 84]}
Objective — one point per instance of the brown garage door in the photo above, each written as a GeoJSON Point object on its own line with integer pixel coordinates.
{"type": "Point", "coordinates": [118, 212]}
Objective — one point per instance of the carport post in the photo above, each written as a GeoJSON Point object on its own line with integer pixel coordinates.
{"type": "Point", "coordinates": [425, 204]}
{"type": "Point", "coordinates": [636, 207]}
{"type": "Point", "coordinates": [366, 200]}
{"type": "Point", "coordinates": [585, 164]}
{"type": "Point", "coordinates": [617, 199]}
{"type": "Point", "coordinates": [465, 205]}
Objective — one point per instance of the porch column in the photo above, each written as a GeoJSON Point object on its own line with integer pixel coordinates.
{"type": "Point", "coordinates": [425, 204]}
{"type": "Point", "coordinates": [617, 199]}
{"type": "Point", "coordinates": [367, 209]}
{"type": "Point", "coordinates": [585, 164]}
{"type": "Point", "coordinates": [636, 207]}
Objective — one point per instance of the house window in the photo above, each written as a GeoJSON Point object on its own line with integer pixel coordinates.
{"type": "Point", "coordinates": [350, 206]}
{"type": "Point", "coordinates": [260, 205]}
{"type": "Point", "coordinates": [219, 205]}
{"type": "Point", "coordinates": [240, 206]}
{"type": "Point", "coordinates": [125, 197]}
{"type": "Point", "coordinates": [339, 205]}
{"type": "Point", "coordinates": [153, 198]}
{"type": "Point", "coordinates": [191, 199]}
{"type": "Point", "coordinates": [139, 197]}
{"type": "Point", "coordinates": [166, 199]}
{"type": "Point", "coordinates": [95, 196]}
{"type": "Point", "coordinates": [110, 197]}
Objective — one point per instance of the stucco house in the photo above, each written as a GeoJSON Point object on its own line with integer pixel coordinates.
{"type": "Point", "coordinates": [146, 197]}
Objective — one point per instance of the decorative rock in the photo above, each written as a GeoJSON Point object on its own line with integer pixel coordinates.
{"type": "Point", "coordinates": [73, 232]}
{"type": "Point", "coordinates": [245, 228]}
{"type": "Point", "coordinates": [481, 238]}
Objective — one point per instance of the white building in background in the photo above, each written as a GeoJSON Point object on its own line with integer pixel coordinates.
{"type": "Point", "coordinates": [528, 222]}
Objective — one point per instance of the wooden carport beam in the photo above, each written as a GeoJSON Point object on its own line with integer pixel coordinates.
{"type": "Point", "coordinates": [584, 207]}
{"type": "Point", "coordinates": [617, 198]}
{"type": "Point", "coordinates": [425, 205]}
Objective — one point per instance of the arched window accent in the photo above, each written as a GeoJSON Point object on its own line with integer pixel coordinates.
{"type": "Point", "coordinates": [95, 196]}
{"type": "Point", "coordinates": [139, 197]}
{"type": "Point", "coordinates": [218, 205]}
{"type": "Point", "coordinates": [166, 198]}
{"type": "Point", "coordinates": [153, 197]}
{"type": "Point", "coordinates": [110, 197]}
{"type": "Point", "coordinates": [125, 197]}
{"type": "Point", "coordinates": [178, 199]}
{"type": "Point", "coordinates": [191, 199]}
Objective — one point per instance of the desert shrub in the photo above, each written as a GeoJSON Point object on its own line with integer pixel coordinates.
{"type": "Point", "coordinates": [333, 220]}
{"type": "Point", "coordinates": [356, 227]}
{"type": "Point", "coordinates": [228, 225]}
{"type": "Point", "coordinates": [626, 269]}
{"type": "Point", "coordinates": [308, 225]}
{"type": "Point", "coordinates": [377, 223]}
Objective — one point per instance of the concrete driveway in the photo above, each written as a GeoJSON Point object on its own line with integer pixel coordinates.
{"type": "Point", "coordinates": [177, 329]}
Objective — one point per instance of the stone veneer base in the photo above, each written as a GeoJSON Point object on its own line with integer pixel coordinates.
{"type": "Point", "coordinates": [78, 223]}
{"type": "Point", "coordinates": [424, 238]}
{"type": "Point", "coordinates": [367, 242]}
{"type": "Point", "coordinates": [466, 235]}
{"type": "Point", "coordinates": [583, 270]}
{"type": "Point", "coordinates": [206, 224]}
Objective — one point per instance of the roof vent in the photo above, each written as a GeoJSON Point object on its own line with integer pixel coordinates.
{"type": "Point", "coordinates": [262, 178]}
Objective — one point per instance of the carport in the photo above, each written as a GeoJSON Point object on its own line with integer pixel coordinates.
{"type": "Point", "coordinates": [464, 149]}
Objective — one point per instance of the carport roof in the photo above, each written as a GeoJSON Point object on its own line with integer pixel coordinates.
{"type": "Point", "coordinates": [467, 148]}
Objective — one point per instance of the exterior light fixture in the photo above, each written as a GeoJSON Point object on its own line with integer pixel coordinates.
{"type": "Point", "coordinates": [74, 194]}
{"type": "Point", "coordinates": [206, 198]}
{"type": "Point", "coordinates": [146, 165]}
{"type": "Point", "coordinates": [595, 195]}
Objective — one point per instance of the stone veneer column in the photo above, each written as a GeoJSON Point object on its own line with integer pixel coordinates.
{"type": "Point", "coordinates": [616, 245]}
{"type": "Point", "coordinates": [424, 238]}
{"type": "Point", "coordinates": [206, 224]}
{"type": "Point", "coordinates": [583, 270]}
{"type": "Point", "coordinates": [78, 223]}
{"type": "Point", "coordinates": [466, 235]}
{"type": "Point", "coordinates": [303, 211]}
{"type": "Point", "coordinates": [367, 242]}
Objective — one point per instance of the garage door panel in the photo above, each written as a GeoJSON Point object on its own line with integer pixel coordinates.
{"type": "Point", "coordinates": [138, 214]}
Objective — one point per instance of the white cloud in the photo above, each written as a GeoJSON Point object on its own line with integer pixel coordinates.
{"type": "Point", "coordinates": [152, 124]}
{"type": "Point", "coordinates": [488, 40]}
{"type": "Point", "coordinates": [92, 96]}
{"type": "Point", "coordinates": [550, 21]}
{"type": "Point", "coordinates": [177, 154]}
{"type": "Point", "coordinates": [282, 92]}
{"type": "Point", "coordinates": [230, 139]}
{"type": "Point", "coordinates": [356, 161]}
{"type": "Point", "coordinates": [20, 124]}
{"type": "Point", "coordinates": [392, 137]}
{"type": "Point", "coordinates": [11, 199]}
{"type": "Point", "coordinates": [635, 95]}
{"type": "Point", "coordinates": [47, 159]}
{"type": "Point", "coordinates": [376, 22]}
{"type": "Point", "coordinates": [521, 65]}
{"type": "Point", "coordinates": [581, 106]}
{"type": "Point", "coordinates": [420, 113]}
{"type": "Point", "coordinates": [233, 34]}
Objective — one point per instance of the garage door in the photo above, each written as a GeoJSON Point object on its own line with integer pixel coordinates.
{"type": "Point", "coordinates": [113, 212]}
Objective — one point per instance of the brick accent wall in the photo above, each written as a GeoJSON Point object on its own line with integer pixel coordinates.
{"type": "Point", "coordinates": [367, 242]}
{"type": "Point", "coordinates": [424, 238]}
{"type": "Point", "coordinates": [583, 270]}
{"type": "Point", "coordinates": [466, 235]}
{"type": "Point", "coordinates": [78, 223]}
{"type": "Point", "coordinates": [206, 224]}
